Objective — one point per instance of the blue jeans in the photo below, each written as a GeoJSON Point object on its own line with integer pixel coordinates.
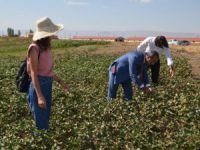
{"type": "Point", "coordinates": [41, 116]}
{"type": "Point", "coordinates": [112, 87]}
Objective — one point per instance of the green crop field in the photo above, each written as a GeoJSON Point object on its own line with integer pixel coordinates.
{"type": "Point", "coordinates": [83, 119]}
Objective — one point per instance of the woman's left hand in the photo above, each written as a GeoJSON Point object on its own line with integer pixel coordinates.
{"type": "Point", "coordinates": [62, 83]}
{"type": "Point", "coordinates": [171, 71]}
{"type": "Point", "coordinates": [65, 87]}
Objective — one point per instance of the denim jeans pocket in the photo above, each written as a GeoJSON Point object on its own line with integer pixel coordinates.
{"type": "Point", "coordinates": [44, 80]}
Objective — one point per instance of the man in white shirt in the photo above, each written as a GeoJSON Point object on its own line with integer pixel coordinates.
{"type": "Point", "coordinates": [158, 44]}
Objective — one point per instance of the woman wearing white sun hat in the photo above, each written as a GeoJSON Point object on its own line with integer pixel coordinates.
{"type": "Point", "coordinates": [40, 69]}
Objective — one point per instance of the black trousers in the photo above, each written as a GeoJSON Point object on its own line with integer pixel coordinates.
{"type": "Point", "coordinates": [155, 71]}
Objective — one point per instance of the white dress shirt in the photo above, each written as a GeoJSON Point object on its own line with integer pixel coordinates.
{"type": "Point", "coordinates": [149, 45]}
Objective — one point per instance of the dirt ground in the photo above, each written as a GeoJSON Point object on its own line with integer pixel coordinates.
{"type": "Point", "coordinates": [191, 52]}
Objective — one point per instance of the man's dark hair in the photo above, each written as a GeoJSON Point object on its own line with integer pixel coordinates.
{"type": "Point", "coordinates": [161, 42]}
{"type": "Point", "coordinates": [44, 43]}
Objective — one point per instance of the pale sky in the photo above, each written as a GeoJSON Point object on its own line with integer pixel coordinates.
{"type": "Point", "coordinates": [104, 15]}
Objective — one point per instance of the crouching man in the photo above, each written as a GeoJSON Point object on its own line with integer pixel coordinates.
{"type": "Point", "coordinates": [131, 67]}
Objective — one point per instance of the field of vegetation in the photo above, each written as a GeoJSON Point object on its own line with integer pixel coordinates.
{"type": "Point", "coordinates": [83, 119]}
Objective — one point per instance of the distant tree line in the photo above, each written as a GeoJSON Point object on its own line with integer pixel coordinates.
{"type": "Point", "coordinates": [11, 32]}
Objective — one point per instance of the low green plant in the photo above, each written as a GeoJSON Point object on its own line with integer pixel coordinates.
{"type": "Point", "coordinates": [83, 119]}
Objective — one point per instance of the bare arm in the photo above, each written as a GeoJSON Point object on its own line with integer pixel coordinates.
{"type": "Point", "coordinates": [34, 76]}
{"type": "Point", "coordinates": [169, 61]}
{"type": "Point", "coordinates": [61, 82]}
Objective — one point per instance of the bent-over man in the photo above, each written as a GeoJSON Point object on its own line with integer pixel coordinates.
{"type": "Point", "coordinates": [131, 67]}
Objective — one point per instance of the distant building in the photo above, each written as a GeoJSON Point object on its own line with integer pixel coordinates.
{"type": "Point", "coordinates": [135, 39]}
{"type": "Point", "coordinates": [29, 35]}
{"type": "Point", "coordinates": [119, 39]}
{"type": "Point", "coordinates": [190, 39]}
{"type": "Point", "coordinates": [129, 39]}
{"type": "Point", "coordinates": [95, 38]}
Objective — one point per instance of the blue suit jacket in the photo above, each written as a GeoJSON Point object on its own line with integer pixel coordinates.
{"type": "Point", "coordinates": [129, 66]}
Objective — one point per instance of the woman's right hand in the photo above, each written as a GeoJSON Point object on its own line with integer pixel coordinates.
{"type": "Point", "coordinates": [42, 102]}
{"type": "Point", "coordinates": [171, 70]}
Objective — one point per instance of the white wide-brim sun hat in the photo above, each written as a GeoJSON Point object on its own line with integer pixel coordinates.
{"type": "Point", "coordinates": [46, 28]}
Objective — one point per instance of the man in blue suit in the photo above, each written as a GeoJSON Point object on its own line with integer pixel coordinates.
{"type": "Point", "coordinates": [130, 67]}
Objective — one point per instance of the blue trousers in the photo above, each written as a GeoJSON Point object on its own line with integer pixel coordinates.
{"type": "Point", "coordinates": [112, 87]}
{"type": "Point", "coordinates": [41, 116]}
{"type": "Point", "coordinates": [155, 71]}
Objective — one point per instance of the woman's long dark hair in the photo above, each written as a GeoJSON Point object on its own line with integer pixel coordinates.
{"type": "Point", "coordinates": [44, 43]}
{"type": "Point", "coordinates": [161, 42]}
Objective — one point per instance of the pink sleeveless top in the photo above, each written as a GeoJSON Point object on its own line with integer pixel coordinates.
{"type": "Point", "coordinates": [45, 62]}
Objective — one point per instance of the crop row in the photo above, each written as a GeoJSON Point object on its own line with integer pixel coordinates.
{"type": "Point", "coordinates": [83, 119]}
